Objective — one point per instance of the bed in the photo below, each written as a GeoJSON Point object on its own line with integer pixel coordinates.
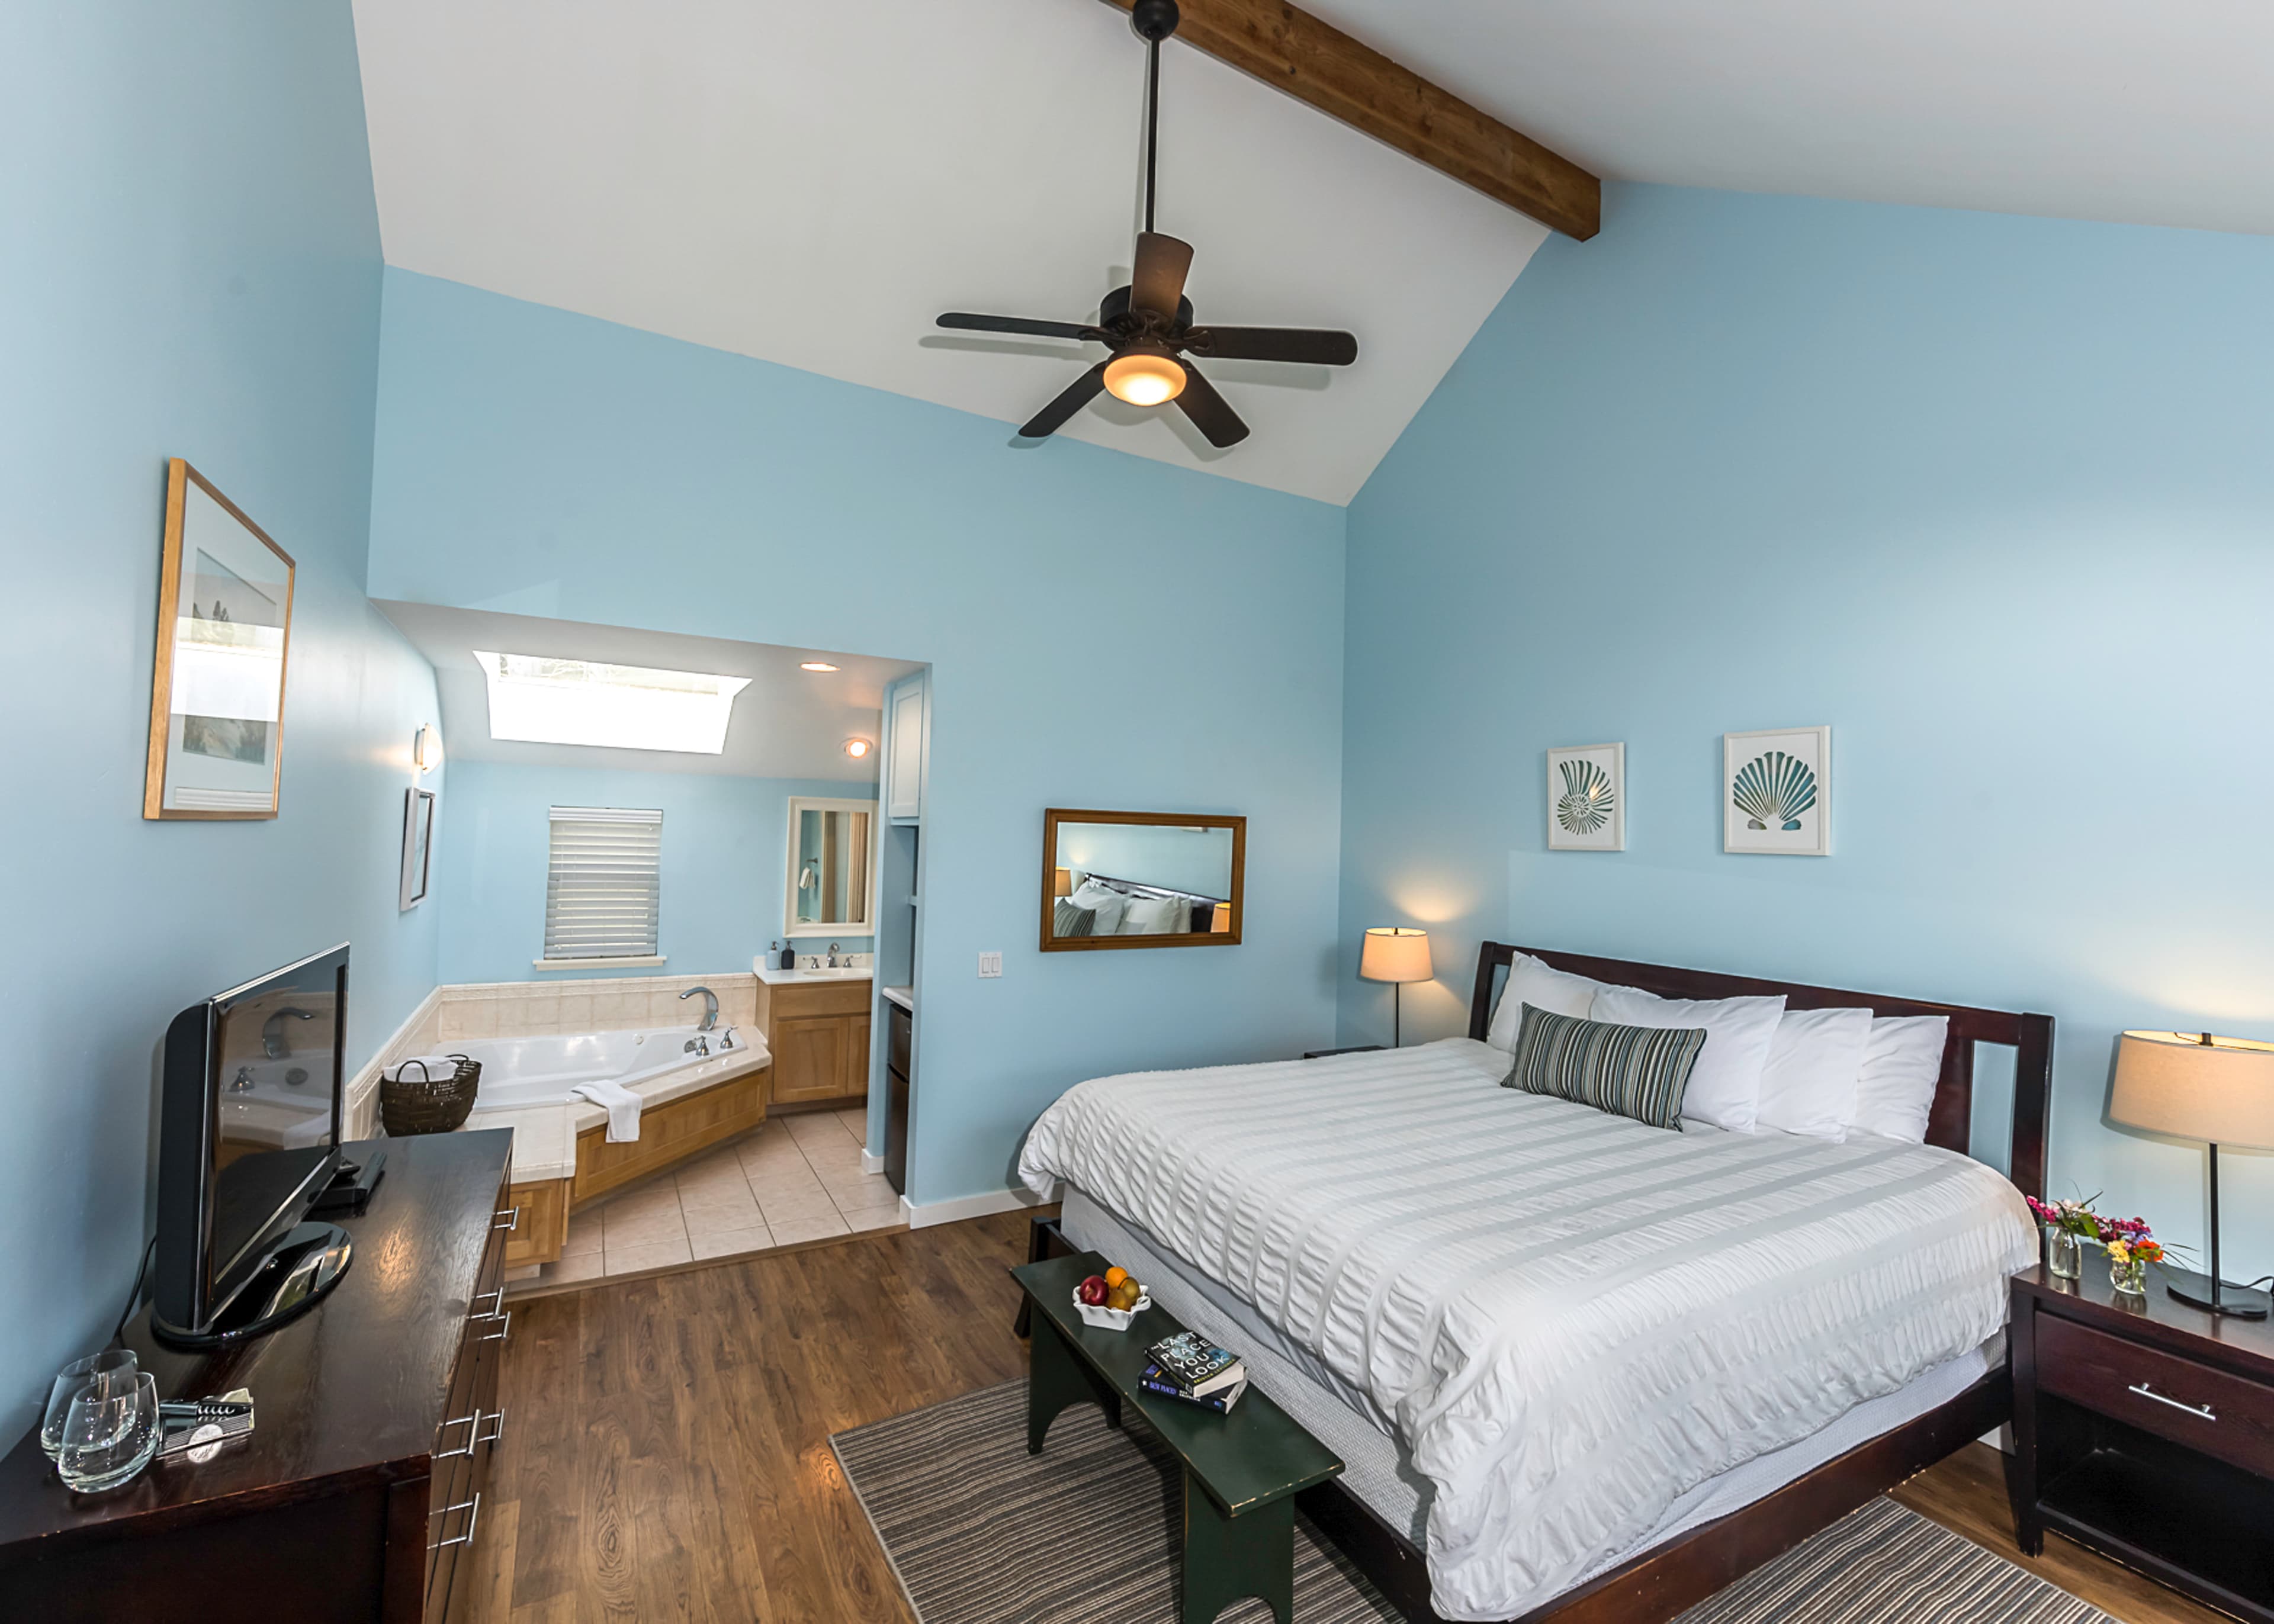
{"type": "Point", "coordinates": [1581, 1369]}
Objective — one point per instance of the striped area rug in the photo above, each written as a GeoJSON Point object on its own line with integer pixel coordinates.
{"type": "Point", "coordinates": [981, 1532]}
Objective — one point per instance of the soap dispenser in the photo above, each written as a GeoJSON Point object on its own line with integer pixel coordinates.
{"type": "Point", "coordinates": [788, 960]}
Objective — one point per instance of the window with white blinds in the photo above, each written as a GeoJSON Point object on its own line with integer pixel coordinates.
{"type": "Point", "coordinates": [602, 888]}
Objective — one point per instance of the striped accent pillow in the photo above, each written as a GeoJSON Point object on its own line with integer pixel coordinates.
{"type": "Point", "coordinates": [1636, 1071]}
{"type": "Point", "coordinates": [1069, 920]}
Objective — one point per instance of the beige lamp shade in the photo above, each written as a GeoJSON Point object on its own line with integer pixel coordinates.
{"type": "Point", "coordinates": [2221, 1092]}
{"type": "Point", "coordinates": [1394, 953]}
{"type": "Point", "coordinates": [1064, 885]}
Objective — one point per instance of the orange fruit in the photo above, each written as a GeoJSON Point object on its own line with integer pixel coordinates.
{"type": "Point", "coordinates": [1115, 1276]}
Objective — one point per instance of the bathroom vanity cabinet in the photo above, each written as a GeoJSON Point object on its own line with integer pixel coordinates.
{"type": "Point", "coordinates": [818, 1035]}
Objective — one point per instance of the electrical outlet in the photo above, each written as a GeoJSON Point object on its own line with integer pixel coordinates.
{"type": "Point", "coordinates": [991, 966]}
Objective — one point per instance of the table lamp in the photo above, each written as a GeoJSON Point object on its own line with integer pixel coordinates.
{"type": "Point", "coordinates": [1062, 883]}
{"type": "Point", "coordinates": [2197, 1087]}
{"type": "Point", "coordinates": [1396, 954]}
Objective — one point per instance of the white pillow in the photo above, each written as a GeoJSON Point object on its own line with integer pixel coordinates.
{"type": "Point", "coordinates": [1530, 982]}
{"type": "Point", "coordinates": [1725, 1084]}
{"type": "Point", "coordinates": [1152, 916]}
{"type": "Point", "coordinates": [1107, 904]}
{"type": "Point", "coordinates": [1902, 1062]}
{"type": "Point", "coordinates": [1808, 1083]}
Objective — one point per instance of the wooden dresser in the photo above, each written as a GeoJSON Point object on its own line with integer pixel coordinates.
{"type": "Point", "coordinates": [818, 1035]}
{"type": "Point", "coordinates": [358, 1495]}
{"type": "Point", "coordinates": [2144, 1429]}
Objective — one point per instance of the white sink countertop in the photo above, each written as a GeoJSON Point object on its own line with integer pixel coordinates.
{"type": "Point", "coordinates": [904, 996]}
{"type": "Point", "coordinates": [773, 976]}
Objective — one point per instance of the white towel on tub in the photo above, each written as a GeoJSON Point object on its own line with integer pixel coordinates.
{"type": "Point", "coordinates": [621, 1104]}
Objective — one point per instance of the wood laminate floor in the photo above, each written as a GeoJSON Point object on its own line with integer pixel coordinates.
{"type": "Point", "coordinates": [667, 1452]}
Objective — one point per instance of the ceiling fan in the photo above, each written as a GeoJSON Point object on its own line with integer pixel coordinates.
{"type": "Point", "coordinates": [1149, 324]}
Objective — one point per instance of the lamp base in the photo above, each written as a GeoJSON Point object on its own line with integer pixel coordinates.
{"type": "Point", "coordinates": [2235, 1302]}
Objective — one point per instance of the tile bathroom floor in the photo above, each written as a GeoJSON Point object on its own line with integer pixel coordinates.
{"type": "Point", "coordinates": [798, 1178]}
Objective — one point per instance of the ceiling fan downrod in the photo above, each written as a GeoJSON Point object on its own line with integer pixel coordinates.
{"type": "Point", "coordinates": [1153, 21]}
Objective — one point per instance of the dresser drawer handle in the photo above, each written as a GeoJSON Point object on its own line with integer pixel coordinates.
{"type": "Point", "coordinates": [2202, 1411]}
{"type": "Point", "coordinates": [496, 1300]}
{"type": "Point", "coordinates": [472, 1423]}
{"type": "Point", "coordinates": [507, 1218]}
{"type": "Point", "coordinates": [473, 1510]}
{"type": "Point", "coordinates": [497, 1428]}
{"type": "Point", "coordinates": [505, 1324]}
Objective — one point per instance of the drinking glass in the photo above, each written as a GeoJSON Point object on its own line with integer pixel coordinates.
{"type": "Point", "coordinates": [109, 1435]}
{"type": "Point", "coordinates": [114, 1366]}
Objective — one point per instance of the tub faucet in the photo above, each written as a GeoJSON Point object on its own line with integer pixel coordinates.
{"type": "Point", "coordinates": [271, 1034]}
{"type": "Point", "coordinates": [709, 1007]}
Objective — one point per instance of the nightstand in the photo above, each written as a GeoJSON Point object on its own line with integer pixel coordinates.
{"type": "Point", "coordinates": [2145, 1431]}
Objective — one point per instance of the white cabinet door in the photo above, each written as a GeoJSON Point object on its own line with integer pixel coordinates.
{"type": "Point", "coordinates": [904, 773]}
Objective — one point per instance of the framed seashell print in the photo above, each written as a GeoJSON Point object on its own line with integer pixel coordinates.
{"type": "Point", "coordinates": [1588, 799]}
{"type": "Point", "coordinates": [1776, 792]}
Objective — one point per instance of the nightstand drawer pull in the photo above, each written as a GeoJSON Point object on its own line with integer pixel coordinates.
{"type": "Point", "coordinates": [2145, 1391]}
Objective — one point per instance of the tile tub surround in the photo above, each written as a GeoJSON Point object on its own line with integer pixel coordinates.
{"type": "Point", "coordinates": [549, 1008]}
{"type": "Point", "coordinates": [795, 1180]}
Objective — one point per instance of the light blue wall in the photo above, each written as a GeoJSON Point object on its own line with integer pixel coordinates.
{"type": "Point", "coordinates": [190, 267]}
{"type": "Point", "coordinates": [1104, 631]}
{"type": "Point", "coordinates": [1989, 495]}
{"type": "Point", "coordinates": [724, 857]}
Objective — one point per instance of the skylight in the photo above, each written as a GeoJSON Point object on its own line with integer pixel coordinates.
{"type": "Point", "coordinates": [541, 700]}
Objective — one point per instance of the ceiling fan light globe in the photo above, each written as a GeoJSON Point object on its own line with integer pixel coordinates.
{"type": "Point", "coordinates": [1144, 378]}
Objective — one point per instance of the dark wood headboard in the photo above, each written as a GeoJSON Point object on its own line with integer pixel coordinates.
{"type": "Point", "coordinates": [2029, 1036]}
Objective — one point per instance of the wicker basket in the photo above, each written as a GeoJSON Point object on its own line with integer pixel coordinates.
{"type": "Point", "coordinates": [417, 1103]}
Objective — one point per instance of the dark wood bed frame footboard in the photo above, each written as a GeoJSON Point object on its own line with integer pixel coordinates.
{"type": "Point", "coordinates": [1662, 1581]}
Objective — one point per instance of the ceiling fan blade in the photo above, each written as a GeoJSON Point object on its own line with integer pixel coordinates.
{"type": "Point", "coordinates": [1157, 280]}
{"type": "Point", "coordinates": [1014, 324]}
{"type": "Point", "coordinates": [1053, 416]}
{"type": "Point", "coordinates": [1209, 411]}
{"type": "Point", "coordinates": [1319, 346]}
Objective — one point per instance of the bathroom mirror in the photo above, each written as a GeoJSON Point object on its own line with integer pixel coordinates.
{"type": "Point", "coordinates": [1141, 879]}
{"type": "Point", "coordinates": [831, 867]}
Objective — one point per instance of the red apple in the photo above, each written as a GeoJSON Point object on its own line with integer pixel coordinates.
{"type": "Point", "coordinates": [1092, 1290]}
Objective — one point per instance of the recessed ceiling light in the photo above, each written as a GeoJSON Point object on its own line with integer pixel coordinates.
{"type": "Point", "coordinates": [816, 665]}
{"type": "Point", "coordinates": [858, 747]}
{"type": "Point", "coordinates": [538, 699]}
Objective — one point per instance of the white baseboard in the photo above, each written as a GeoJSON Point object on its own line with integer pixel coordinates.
{"type": "Point", "coordinates": [361, 1109]}
{"type": "Point", "coordinates": [965, 1206]}
{"type": "Point", "coordinates": [871, 1164]}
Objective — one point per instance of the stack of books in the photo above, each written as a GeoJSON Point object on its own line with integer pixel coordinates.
{"type": "Point", "coordinates": [1190, 1368]}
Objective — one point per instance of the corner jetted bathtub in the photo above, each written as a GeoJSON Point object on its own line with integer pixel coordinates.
{"type": "Point", "coordinates": [518, 1073]}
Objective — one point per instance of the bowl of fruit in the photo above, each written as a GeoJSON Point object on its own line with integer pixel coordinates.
{"type": "Point", "coordinates": [1112, 1300]}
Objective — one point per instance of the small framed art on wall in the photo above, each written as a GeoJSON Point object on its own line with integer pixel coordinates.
{"type": "Point", "coordinates": [1776, 792]}
{"type": "Point", "coordinates": [1587, 798]}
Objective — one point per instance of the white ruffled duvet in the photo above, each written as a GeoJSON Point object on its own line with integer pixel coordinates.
{"type": "Point", "coordinates": [1570, 1318]}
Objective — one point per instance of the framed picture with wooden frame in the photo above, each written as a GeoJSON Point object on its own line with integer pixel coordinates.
{"type": "Point", "coordinates": [1142, 879]}
{"type": "Point", "coordinates": [224, 630]}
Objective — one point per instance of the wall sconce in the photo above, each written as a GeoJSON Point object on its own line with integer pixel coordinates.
{"type": "Point", "coordinates": [426, 749]}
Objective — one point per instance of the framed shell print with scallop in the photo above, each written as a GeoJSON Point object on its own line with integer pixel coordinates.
{"type": "Point", "coordinates": [1588, 799]}
{"type": "Point", "coordinates": [1776, 792]}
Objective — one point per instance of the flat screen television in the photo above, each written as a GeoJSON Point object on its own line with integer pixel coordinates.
{"type": "Point", "coordinates": [253, 1087]}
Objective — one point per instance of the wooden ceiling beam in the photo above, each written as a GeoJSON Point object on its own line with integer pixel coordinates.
{"type": "Point", "coordinates": [1316, 62]}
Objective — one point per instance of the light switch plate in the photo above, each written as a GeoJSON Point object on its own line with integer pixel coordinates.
{"type": "Point", "coordinates": [991, 966]}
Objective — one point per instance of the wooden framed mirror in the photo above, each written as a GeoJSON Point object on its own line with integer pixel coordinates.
{"type": "Point", "coordinates": [1142, 879]}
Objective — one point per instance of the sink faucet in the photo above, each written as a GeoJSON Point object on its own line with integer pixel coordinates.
{"type": "Point", "coordinates": [271, 1034]}
{"type": "Point", "coordinates": [832, 955]}
{"type": "Point", "coordinates": [709, 1007]}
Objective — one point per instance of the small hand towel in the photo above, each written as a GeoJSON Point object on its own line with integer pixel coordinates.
{"type": "Point", "coordinates": [439, 1067]}
{"type": "Point", "coordinates": [623, 1105]}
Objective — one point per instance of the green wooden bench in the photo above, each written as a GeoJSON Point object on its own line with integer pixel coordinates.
{"type": "Point", "coordinates": [1241, 1471]}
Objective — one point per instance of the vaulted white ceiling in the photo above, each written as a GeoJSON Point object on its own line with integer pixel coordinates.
{"type": "Point", "coordinates": [812, 184]}
{"type": "Point", "coordinates": [2090, 110]}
